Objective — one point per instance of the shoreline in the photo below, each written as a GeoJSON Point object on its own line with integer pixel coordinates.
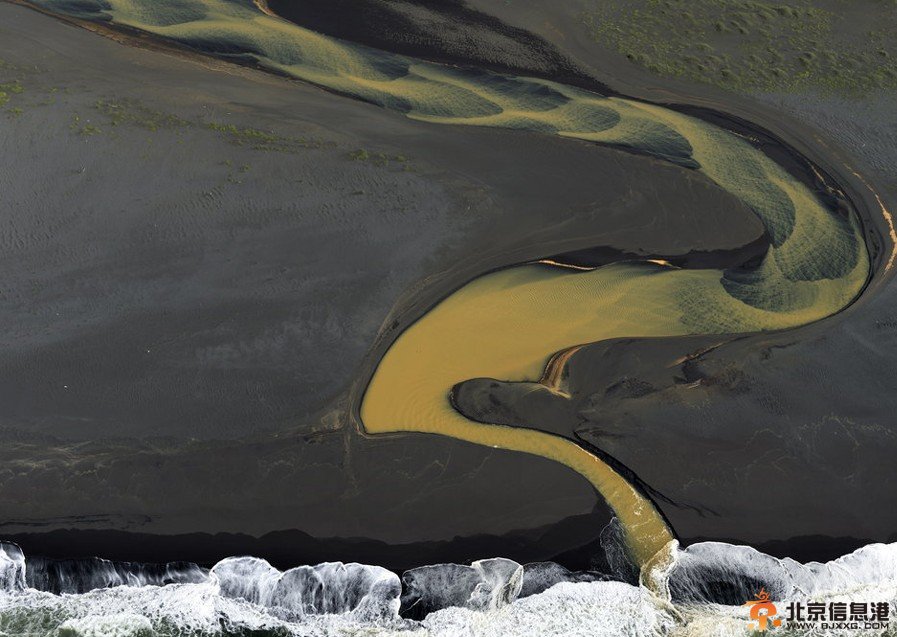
{"type": "Point", "coordinates": [290, 548]}
{"type": "Point", "coordinates": [277, 547]}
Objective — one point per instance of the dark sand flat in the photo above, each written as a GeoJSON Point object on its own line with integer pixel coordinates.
{"type": "Point", "coordinates": [804, 417]}
{"type": "Point", "coordinates": [188, 319]}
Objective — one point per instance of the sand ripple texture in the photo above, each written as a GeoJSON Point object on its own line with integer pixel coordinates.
{"type": "Point", "coordinates": [507, 324]}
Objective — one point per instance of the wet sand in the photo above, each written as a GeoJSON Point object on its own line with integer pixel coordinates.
{"type": "Point", "coordinates": [287, 548]}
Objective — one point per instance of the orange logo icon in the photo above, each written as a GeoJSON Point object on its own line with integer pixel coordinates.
{"type": "Point", "coordinates": [763, 612]}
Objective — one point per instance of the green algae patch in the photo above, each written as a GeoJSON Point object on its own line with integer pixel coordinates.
{"type": "Point", "coordinates": [383, 160]}
{"type": "Point", "coordinates": [258, 139]}
{"type": "Point", "coordinates": [8, 90]}
{"type": "Point", "coordinates": [128, 111]}
{"type": "Point", "coordinates": [12, 88]}
{"type": "Point", "coordinates": [756, 45]}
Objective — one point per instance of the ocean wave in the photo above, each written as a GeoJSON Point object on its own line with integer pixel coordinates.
{"type": "Point", "coordinates": [699, 590]}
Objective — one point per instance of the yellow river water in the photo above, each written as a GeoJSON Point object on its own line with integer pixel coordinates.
{"type": "Point", "coordinates": [507, 324]}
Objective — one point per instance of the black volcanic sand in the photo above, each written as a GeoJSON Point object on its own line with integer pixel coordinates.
{"type": "Point", "coordinates": [285, 549]}
{"type": "Point", "coordinates": [784, 441]}
{"type": "Point", "coordinates": [446, 31]}
{"type": "Point", "coordinates": [196, 272]}
{"type": "Point", "coordinates": [763, 439]}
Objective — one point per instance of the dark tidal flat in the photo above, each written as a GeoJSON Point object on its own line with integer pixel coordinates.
{"type": "Point", "coordinates": [228, 296]}
{"type": "Point", "coordinates": [207, 258]}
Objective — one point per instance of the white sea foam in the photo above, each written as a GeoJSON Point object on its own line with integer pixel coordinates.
{"type": "Point", "coordinates": [83, 575]}
{"type": "Point", "coordinates": [723, 573]}
{"type": "Point", "coordinates": [484, 585]}
{"type": "Point", "coordinates": [125, 625]}
{"type": "Point", "coordinates": [12, 568]}
{"type": "Point", "coordinates": [593, 609]}
{"type": "Point", "coordinates": [353, 600]}
{"type": "Point", "coordinates": [366, 593]}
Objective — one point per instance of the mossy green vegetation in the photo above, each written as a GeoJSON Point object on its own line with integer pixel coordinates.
{"type": "Point", "coordinates": [12, 88]}
{"type": "Point", "coordinates": [113, 113]}
{"type": "Point", "coordinates": [128, 111]}
{"type": "Point", "coordinates": [9, 89]}
{"type": "Point", "coordinates": [84, 127]}
{"type": "Point", "coordinates": [258, 139]}
{"type": "Point", "coordinates": [379, 159]}
{"type": "Point", "coordinates": [834, 46]}
{"type": "Point", "coordinates": [360, 155]}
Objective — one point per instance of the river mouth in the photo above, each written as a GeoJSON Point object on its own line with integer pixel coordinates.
{"type": "Point", "coordinates": [507, 325]}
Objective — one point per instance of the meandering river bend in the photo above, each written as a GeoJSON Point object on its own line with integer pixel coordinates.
{"type": "Point", "coordinates": [508, 324]}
